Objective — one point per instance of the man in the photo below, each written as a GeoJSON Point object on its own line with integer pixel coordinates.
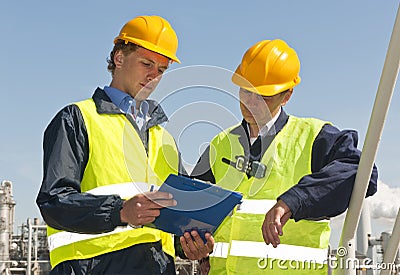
{"type": "Point", "coordinates": [102, 158]}
{"type": "Point", "coordinates": [293, 172]}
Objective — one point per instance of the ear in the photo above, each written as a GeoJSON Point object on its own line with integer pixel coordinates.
{"type": "Point", "coordinates": [286, 97]}
{"type": "Point", "coordinates": [118, 58]}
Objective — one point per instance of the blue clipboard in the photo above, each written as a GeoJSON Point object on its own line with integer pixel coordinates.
{"type": "Point", "coordinates": [200, 206]}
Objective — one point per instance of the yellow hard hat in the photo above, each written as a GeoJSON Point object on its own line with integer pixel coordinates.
{"type": "Point", "coordinates": [153, 33]}
{"type": "Point", "coordinates": [268, 68]}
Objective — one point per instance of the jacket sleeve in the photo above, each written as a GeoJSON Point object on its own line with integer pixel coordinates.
{"type": "Point", "coordinates": [61, 203]}
{"type": "Point", "coordinates": [202, 170]}
{"type": "Point", "coordinates": [327, 190]}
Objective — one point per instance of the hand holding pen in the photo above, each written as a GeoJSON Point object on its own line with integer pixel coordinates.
{"type": "Point", "coordinates": [144, 208]}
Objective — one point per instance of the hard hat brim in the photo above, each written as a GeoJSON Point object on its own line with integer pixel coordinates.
{"type": "Point", "coordinates": [151, 47]}
{"type": "Point", "coordinates": [264, 90]}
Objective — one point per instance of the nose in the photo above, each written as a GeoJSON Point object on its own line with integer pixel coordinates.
{"type": "Point", "coordinates": [153, 73]}
{"type": "Point", "coordinates": [251, 98]}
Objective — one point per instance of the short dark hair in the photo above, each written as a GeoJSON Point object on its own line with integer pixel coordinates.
{"type": "Point", "coordinates": [125, 47]}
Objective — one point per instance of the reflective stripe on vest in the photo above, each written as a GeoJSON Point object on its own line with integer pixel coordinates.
{"type": "Point", "coordinates": [124, 190]}
{"type": "Point", "coordinates": [255, 206]}
{"type": "Point", "coordinates": [287, 159]}
{"type": "Point", "coordinates": [220, 250]}
{"type": "Point", "coordinates": [262, 250]}
{"type": "Point", "coordinates": [64, 238]}
{"type": "Point", "coordinates": [259, 207]}
{"type": "Point", "coordinates": [117, 155]}
{"type": "Point", "coordinates": [282, 251]}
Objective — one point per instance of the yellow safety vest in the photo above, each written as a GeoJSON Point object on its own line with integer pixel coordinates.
{"type": "Point", "coordinates": [240, 248]}
{"type": "Point", "coordinates": [118, 164]}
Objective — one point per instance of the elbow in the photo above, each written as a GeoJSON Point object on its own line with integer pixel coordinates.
{"type": "Point", "coordinates": [373, 183]}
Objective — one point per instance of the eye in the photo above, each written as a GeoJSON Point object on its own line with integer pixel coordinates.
{"type": "Point", "coordinates": [245, 92]}
{"type": "Point", "coordinates": [146, 64]}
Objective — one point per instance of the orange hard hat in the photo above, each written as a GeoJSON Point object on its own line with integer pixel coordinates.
{"type": "Point", "coordinates": [268, 68]}
{"type": "Point", "coordinates": [151, 32]}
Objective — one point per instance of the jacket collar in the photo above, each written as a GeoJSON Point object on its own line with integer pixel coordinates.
{"type": "Point", "coordinates": [241, 131]}
{"type": "Point", "coordinates": [105, 106]}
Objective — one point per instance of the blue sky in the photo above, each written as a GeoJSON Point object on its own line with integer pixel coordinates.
{"type": "Point", "coordinates": [54, 53]}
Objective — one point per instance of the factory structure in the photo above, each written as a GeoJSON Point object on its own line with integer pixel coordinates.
{"type": "Point", "coordinates": [26, 251]}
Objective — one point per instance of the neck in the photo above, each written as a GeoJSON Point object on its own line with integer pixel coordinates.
{"type": "Point", "coordinates": [254, 130]}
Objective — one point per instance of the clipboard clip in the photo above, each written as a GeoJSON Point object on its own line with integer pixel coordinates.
{"type": "Point", "coordinates": [251, 168]}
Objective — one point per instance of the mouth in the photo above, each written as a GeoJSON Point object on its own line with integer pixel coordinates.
{"type": "Point", "coordinates": [147, 86]}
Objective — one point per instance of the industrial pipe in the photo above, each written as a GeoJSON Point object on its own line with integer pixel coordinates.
{"type": "Point", "coordinates": [29, 257]}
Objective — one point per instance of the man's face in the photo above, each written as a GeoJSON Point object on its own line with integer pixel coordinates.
{"type": "Point", "coordinates": [139, 72]}
{"type": "Point", "coordinates": [257, 109]}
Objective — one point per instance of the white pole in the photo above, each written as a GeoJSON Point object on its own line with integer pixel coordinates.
{"type": "Point", "coordinates": [374, 132]}
{"type": "Point", "coordinates": [364, 229]}
{"type": "Point", "coordinates": [393, 246]}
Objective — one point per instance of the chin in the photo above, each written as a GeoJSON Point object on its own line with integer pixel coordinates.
{"type": "Point", "coordinates": [142, 95]}
{"type": "Point", "coordinates": [250, 120]}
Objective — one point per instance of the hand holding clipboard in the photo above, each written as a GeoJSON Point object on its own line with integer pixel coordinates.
{"type": "Point", "coordinates": [200, 206]}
